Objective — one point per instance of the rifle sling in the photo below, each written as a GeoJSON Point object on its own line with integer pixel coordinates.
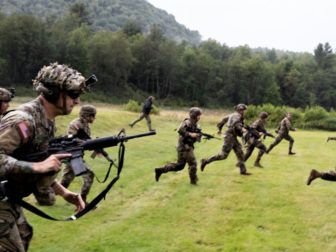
{"type": "Point", "coordinates": [89, 206]}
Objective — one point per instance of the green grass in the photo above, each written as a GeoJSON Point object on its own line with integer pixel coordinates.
{"type": "Point", "coordinates": [272, 210]}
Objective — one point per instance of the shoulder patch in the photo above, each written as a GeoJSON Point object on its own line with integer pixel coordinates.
{"type": "Point", "coordinates": [23, 130]}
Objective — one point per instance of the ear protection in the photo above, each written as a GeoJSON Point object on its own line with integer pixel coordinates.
{"type": "Point", "coordinates": [51, 94]}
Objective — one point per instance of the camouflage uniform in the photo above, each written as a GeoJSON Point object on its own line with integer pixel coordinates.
{"type": "Point", "coordinates": [23, 131]}
{"type": "Point", "coordinates": [68, 174]}
{"type": "Point", "coordinates": [185, 148]}
{"type": "Point", "coordinates": [235, 122]}
{"type": "Point", "coordinates": [146, 109]}
{"type": "Point", "coordinates": [283, 133]}
{"type": "Point", "coordinates": [253, 140]}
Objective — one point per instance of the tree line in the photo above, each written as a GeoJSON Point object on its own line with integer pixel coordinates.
{"type": "Point", "coordinates": [209, 74]}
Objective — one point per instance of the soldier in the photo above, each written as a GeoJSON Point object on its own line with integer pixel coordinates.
{"type": "Point", "coordinates": [235, 123]}
{"type": "Point", "coordinates": [283, 133]}
{"type": "Point", "coordinates": [5, 97]}
{"type": "Point", "coordinates": [252, 138]}
{"type": "Point", "coordinates": [188, 135]}
{"type": "Point", "coordinates": [314, 174]}
{"type": "Point", "coordinates": [27, 130]}
{"type": "Point", "coordinates": [146, 109]}
{"type": "Point", "coordinates": [87, 115]}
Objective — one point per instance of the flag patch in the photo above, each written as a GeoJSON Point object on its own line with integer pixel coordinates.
{"type": "Point", "coordinates": [23, 130]}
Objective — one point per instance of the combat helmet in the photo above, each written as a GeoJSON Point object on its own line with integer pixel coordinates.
{"type": "Point", "coordinates": [87, 111]}
{"type": "Point", "coordinates": [240, 106]}
{"type": "Point", "coordinates": [263, 115]}
{"type": "Point", "coordinates": [6, 95]}
{"type": "Point", "coordinates": [53, 79]}
{"type": "Point", "coordinates": [194, 112]}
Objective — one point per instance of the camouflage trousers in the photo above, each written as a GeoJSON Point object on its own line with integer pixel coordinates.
{"type": "Point", "coordinates": [255, 143]}
{"type": "Point", "coordinates": [15, 231]}
{"type": "Point", "coordinates": [43, 191]}
{"type": "Point", "coordinates": [68, 177]}
{"type": "Point", "coordinates": [230, 143]}
{"type": "Point", "coordinates": [278, 139]}
{"type": "Point", "coordinates": [142, 116]}
{"type": "Point", "coordinates": [183, 157]}
{"type": "Point", "coordinates": [330, 176]}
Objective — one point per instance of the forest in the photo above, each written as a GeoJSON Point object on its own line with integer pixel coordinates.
{"type": "Point", "coordinates": [129, 61]}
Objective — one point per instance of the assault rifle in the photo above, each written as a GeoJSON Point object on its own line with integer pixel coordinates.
{"type": "Point", "coordinates": [207, 136]}
{"type": "Point", "coordinates": [252, 132]}
{"type": "Point", "coordinates": [75, 146]}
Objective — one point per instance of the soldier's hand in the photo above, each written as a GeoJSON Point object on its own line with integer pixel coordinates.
{"type": "Point", "coordinates": [51, 164]}
{"type": "Point", "coordinates": [193, 134]}
{"type": "Point", "coordinates": [75, 199]}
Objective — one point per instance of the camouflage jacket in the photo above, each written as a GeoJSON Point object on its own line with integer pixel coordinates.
{"type": "Point", "coordinates": [234, 122]}
{"type": "Point", "coordinates": [78, 124]}
{"type": "Point", "coordinates": [285, 126]}
{"type": "Point", "coordinates": [23, 131]}
{"type": "Point", "coordinates": [185, 142]}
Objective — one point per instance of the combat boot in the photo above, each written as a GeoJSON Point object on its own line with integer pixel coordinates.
{"type": "Point", "coordinates": [245, 173]}
{"type": "Point", "coordinates": [158, 173]}
{"type": "Point", "coordinates": [291, 153]}
{"type": "Point", "coordinates": [203, 164]}
{"type": "Point", "coordinates": [194, 181]}
{"type": "Point", "coordinates": [257, 164]}
{"type": "Point", "coordinates": [314, 174]}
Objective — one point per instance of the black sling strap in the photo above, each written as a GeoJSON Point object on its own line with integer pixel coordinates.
{"type": "Point", "coordinates": [89, 206]}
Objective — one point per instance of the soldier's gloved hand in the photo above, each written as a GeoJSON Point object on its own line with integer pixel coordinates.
{"type": "Point", "coordinates": [51, 164]}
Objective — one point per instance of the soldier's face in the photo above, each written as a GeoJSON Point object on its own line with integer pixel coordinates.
{"type": "Point", "coordinates": [67, 102]}
{"type": "Point", "coordinates": [4, 107]}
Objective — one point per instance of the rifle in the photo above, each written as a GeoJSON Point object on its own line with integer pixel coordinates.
{"type": "Point", "coordinates": [72, 144]}
{"type": "Point", "coordinates": [81, 134]}
{"type": "Point", "coordinates": [207, 136]}
{"type": "Point", "coordinates": [331, 138]}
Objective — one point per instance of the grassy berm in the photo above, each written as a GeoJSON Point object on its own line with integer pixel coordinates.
{"type": "Point", "coordinates": [271, 210]}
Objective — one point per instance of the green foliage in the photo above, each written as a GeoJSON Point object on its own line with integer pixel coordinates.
{"type": "Point", "coordinates": [133, 106]}
{"type": "Point", "coordinates": [105, 15]}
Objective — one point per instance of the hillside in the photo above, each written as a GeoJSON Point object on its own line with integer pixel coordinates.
{"type": "Point", "coordinates": [106, 14]}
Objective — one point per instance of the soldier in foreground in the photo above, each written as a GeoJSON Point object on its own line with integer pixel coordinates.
{"type": "Point", "coordinates": [146, 109]}
{"type": "Point", "coordinates": [283, 133]}
{"type": "Point", "coordinates": [235, 123]}
{"type": "Point", "coordinates": [5, 98]}
{"type": "Point", "coordinates": [253, 138]}
{"type": "Point", "coordinates": [87, 115]}
{"type": "Point", "coordinates": [314, 174]}
{"type": "Point", "coordinates": [26, 130]}
{"type": "Point", "coordinates": [188, 135]}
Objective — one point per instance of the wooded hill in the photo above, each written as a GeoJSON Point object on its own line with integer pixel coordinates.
{"type": "Point", "coordinates": [106, 14]}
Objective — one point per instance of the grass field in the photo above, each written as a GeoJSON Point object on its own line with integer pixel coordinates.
{"type": "Point", "coordinates": [272, 210]}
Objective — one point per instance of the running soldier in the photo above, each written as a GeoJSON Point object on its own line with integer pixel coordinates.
{"type": "Point", "coordinates": [87, 115]}
{"type": "Point", "coordinates": [28, 130]}
{"type": "Point", "coordinates": [188, 135]}
{"type": "Point", "coordinates": [5, 97]}
{"type": "Point", "coordinates": [235, 123]}
{"type": "Point", "coordinates": [146, 109]}
{"type": "Point", "coordinates": [283, 133]}
{"type": "Point", "coordinates": [253, 138]}
{"type": "Point", "coordinates": [314, 174]}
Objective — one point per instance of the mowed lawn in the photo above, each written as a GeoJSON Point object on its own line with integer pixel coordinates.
{"type": "Point", "coordinates": [271, 210]}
